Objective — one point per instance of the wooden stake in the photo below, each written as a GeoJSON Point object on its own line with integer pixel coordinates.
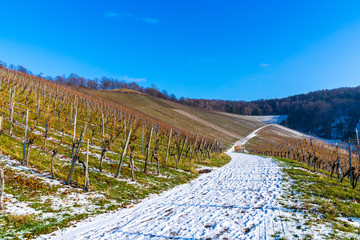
{"type": "Point", "coordinates": [124, 152]}
{"type": "Point", "coordinates": [26, 129]}
{"type": "Point", "coordinates": [182, 149]}
{"type": "Point", "coordinates": [148, 150]}
{"type": "Point", "coordinates": [52, 163]}
{"type": "Point", "coordinates": [1, 122]}
{"type": "Point", "coordinates": [339, 165]}
{"type": "Point", "coordinates": [103, 147]}
{"type": "Point", "coordinates": [11, 113]}
{"type": "Point", "coordinates": [168, 147]}
{"type": "Point", "coordinates": [46, 127]}
{"type": "Point", "coordinates": [132, 165]}
{"type": "Point", "coordinates": [74, 135]}
{"type": "Point", "coordinates": [351, 172]}
{"type": "Point", "coordinates": [2, 184]}
{"type": "Point", "coordinates": [142, 139]}
{"type": "Point", "coordinates": [357, 143]}
{"type": "Point", "coordinates": [86, 183]}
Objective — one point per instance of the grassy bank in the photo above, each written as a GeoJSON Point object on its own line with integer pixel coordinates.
{"type": "Point", "coordinates": [322, 200]}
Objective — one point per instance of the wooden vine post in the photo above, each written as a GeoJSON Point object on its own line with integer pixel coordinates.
{"type": "Point", "coordinates": [26, 129]}
{"type": "Point", "coordinates": [1, 122]}
{"type": "Point", "coordinates": [350, 170]}
{"type": "Point", "coordinates": [11, 111]}
{"type": "Point", "coordinates": [142, 139]}
{"type": "Point", "coordinates": [103, 149]}
{"type": "Point", "coordinates": [302, 151]}
{"type": "Point", "coordinates": [357, 143]}
{"type": "Point", "coordinates": [47, 127]}
{"type": "Point", "coordinates": [148, 150]}
{"type": "Point", "coordinates": [74, 135]}
{"type": "Point", "coordinates": [2, 184]}
{"type": "Point", "coordinates": [168, 147]}
{"type": "Point", "coordinates": [193, 148]}
{"type": "Point", "coordinates": [180, 153]}
{"type": "Point", "coordinates": [338, 163]}
{"type": "Point", "coordinates": [124, 152]}
{"type": "Point", "coordinates": [52, 163]}
{"type": "Point", "coordinates": [86, 179]}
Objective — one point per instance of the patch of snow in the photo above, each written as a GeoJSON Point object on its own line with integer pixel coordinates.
{"type": "Point", "coordinates": [351, 220]}
{"type": "Point", "coordinates": [247, 138]}
{"type": "Point", "coordinates": [271, 119]}
{"type": "Point", "coordinates": [291, 132]}
{"type": "Point", "coordinates": [14, 206]}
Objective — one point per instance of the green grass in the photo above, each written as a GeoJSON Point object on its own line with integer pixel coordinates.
{"type": "Point", "coordinates": [218, 161]}
{"type": "Point", "coordinates": [322, 196]}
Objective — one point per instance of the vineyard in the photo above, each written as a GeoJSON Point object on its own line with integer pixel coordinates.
{"type": "Point", "coordinates": [341, 160]}
{"type": "Point", "coordinates": [58, 143]}
{"type": "Point", "coordinates": [67, 153]}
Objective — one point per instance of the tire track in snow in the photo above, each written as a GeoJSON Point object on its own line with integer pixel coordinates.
{"type": "Point", "coordinates": [237, 201]}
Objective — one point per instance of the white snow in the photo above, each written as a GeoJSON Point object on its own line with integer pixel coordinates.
{"type": "Point", "coordinates": [353, 221]}
{"type": "Point", "coordinates": [291, 132]}
{"type": "Point", "coordinates": [271, 119]}
{"type": "Point", "coordinates": [14, 206]}
{"type": "Point", "coordinates": [247, 138]}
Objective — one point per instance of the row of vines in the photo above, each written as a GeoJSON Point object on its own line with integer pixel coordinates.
{"type": "Point", "coordinates": [342, 160]}
{"type": "Point", "coordinates": [67, 124]}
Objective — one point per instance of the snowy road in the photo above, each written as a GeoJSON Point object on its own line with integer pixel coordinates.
{"type": "Point", "coordinates": [237, 201]}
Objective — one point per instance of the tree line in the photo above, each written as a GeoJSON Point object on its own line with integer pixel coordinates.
{"type": "Point", "coordinates": [103, 83]}
{"type": "Point", "coordinates": [332, 114]}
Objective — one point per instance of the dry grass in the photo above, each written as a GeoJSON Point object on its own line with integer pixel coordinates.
{"type": "Point", "coordinates": [226, 127]}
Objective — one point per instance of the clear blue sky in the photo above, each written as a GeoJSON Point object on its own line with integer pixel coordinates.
{"type": "Point", "coordinates": [236, 50]}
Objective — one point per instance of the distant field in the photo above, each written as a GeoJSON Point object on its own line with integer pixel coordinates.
{"type": "Point", "coordinates": [227, 127]}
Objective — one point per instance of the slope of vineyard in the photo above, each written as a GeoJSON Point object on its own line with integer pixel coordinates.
{"type": "Point", "coordinates": [68, 154]}
{"type": "Point", "coordinates": [228, 128]}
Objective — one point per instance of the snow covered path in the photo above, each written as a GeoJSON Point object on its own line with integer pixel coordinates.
{"type": "Point", "coordinates": [247, 138]}
{"type": "Point", "coordinates": [237, 201]}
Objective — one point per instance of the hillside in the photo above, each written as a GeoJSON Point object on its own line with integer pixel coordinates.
{"type": "Point", "coordinates": [68, 153]}
{"type": "Point", "coordinates": [329, 114]}
{"type": "Point", "coordinates": [228, 128]}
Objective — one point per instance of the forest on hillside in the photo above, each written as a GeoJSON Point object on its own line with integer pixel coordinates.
{"type": "Point", "coordinates": [330, 114]}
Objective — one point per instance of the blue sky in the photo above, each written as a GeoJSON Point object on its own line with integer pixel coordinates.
{"type": "Point", "coordinates": [235, 50]}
